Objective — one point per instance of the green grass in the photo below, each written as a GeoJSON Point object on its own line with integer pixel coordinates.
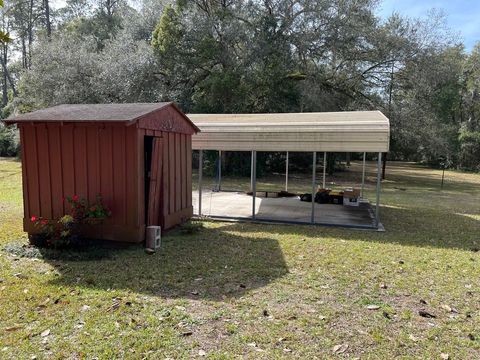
{"type": "Point", "coordinates": [261, 291]}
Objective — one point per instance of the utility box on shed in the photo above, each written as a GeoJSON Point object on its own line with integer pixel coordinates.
{"type": "Point", "coordinates": [136, 156]}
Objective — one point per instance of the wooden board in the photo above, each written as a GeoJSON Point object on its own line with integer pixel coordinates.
{"type": "Point", "coordinates": [155, 183]}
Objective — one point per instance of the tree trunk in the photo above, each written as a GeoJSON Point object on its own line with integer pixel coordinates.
{"type": "Point", "coordinates": [48, 24]}
{"type": "Point", "coordinates": [24, 53]}
{"type": "Point", "coordinates": [4, 82]}
{"type": "Point", "coordinates": [7, 74]}
{"type": "Point", "coordinates": [30, 34]}
{"type": "Point", "coordinates": [384, 165]}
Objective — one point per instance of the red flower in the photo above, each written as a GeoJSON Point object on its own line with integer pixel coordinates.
{"type": "Point", "coordinates": [75, 198]}
{"type": "Point", "coordinates": [34, 218]}
{"type": "Point", "coordinates": [44, 222]}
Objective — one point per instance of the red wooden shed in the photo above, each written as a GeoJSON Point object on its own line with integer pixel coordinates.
{"type": "Point", "coordinates": [137, 156]}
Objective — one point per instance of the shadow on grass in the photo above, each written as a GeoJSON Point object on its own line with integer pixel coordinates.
{"type": "Point", "coordinates": [211, 264]}
{"type": "Point", "coordinates": [230, 259]}
{"type": "Point", "coordinates": [423, 228]}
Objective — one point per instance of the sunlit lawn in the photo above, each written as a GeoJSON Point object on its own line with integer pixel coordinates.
{"type": "Point", "coordinates": [261, 291]}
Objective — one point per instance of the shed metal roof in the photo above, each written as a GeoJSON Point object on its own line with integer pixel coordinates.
{"type": "Point", "coordinates": [355, 131]}
{"type": "Point", "coordinates": [90, 112]}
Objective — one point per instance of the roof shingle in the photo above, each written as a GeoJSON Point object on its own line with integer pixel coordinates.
{"type": "Point", "coordinates": [89, 112]}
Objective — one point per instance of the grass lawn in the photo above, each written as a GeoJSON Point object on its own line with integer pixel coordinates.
{"type": "Point", "coordinates": [260, 291]}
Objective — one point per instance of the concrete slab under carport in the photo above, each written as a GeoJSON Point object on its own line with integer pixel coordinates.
{"type": "Point", "coordinates": [238, 205]}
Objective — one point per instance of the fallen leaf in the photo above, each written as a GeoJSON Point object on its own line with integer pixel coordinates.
{"type": "Point", "coordinates": [202, 353]}
{"type": "Point", "coordinates": [115, 305]}
{"type": "Point", "coordinates": [20, 276]}
{"type": "Point", "coordinates": [252, 344]}
{"type": "Point", "coordinates": [340, 349]}
{"type": "Point", "coordinates": [287, 350]}
{"type": "Point", "coordinates": [85, 307]}
{"type": "Point", "coordinates": [426, 314]}
{"type": "Point", "coordinates": [373, 307]}
{"type": "Point", "coordinates": [14, 328]}
{"type": "Point", "coordinates": [446, 308]}
{"type": "Point", "coordinates": [444, 356]}
{"type": "Point", "coordinates": [80, 325]}
{"type": "Point", "coordinates": [45, 333]}
{"type": "Point", "coordinates": [413, 338]}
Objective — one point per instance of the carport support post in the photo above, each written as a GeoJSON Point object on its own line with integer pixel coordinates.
{"type": "Point", "coordinates": [200, 173]}
{"type": "Point", "coordinates": [324, 168]}
{"type": "Point", "coordinates": [379, 179]}
{"type": "Point", "coordinates": [219, 170]}
{"type": "Point", "coordinates": [363, 175]}
{"type": "Point", "coordinates": [254, 181]}
{"type": "Point", "coordinates": [286, 173]}
{"type": "Point", "coordinates": [314, 172]}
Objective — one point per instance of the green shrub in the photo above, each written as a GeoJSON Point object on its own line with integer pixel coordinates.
{"type": "Point", "coordinates": [9, 144]}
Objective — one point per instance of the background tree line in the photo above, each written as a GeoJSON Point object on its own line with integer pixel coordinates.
{"type": "Point", "coordinates": [232, 56]}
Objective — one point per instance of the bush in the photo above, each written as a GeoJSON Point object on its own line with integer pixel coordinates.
{"type": "Point", "coordinates": [65, 231]}
{"type": "Point", "coordinates": [9, 144]}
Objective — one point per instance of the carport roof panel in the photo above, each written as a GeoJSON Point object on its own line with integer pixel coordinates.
{"type": "Point", "coordinates": [355, 131]}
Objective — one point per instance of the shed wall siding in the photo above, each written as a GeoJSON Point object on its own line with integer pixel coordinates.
{"type": "Point", "coordinates": [84, 160]}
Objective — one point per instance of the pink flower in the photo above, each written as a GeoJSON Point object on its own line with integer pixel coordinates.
{"type": "Point", "coordinates": [34, 218]}
{"type": "Point", "coordinates": [75, 198]}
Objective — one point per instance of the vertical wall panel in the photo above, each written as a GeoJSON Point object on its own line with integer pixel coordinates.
{"type": "Point", "coordinates": [178, 180]}
{"type": "Point", "coordinates": [189, 170]}
{"type": "Point", "coordinates": [31, 166]}
{"type": "Point", "coordinates": [119, 172]}
{"type": "Point", "coordinates": [56, 170]}
{"type": "Point", "coordinates": [93, 163]}
{"type": "Point", "coordinates": [43, 160]}
{"type": "Point", "coordinates": [68, 160]}
{"type": "Point", "coordinates": [106, 173]}
{"type": "Point", "coordinates": [140, 146]}
{"type": "Point", "coordinates": [26, 209]}
{"type": "Point", "coordinates": [165, 177]}
{"type": "Point", "coordinates": [132, 173]}
{"type": "Point", "coordinates": [80, 160]}
{"type": "Point", "coordinates": [183, 165]}
{"type": "Point", "coordinates": [171, 172]}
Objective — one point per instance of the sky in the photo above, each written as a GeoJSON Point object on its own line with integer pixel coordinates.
{"type": "Point", "coordinates": [463, 16]}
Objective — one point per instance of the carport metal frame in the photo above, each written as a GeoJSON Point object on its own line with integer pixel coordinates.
{"type": "Point", "coordinates": [253, 185]}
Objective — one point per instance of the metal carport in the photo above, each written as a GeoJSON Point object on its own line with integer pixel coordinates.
{"type": "Point", "coordinates": [347, 131]}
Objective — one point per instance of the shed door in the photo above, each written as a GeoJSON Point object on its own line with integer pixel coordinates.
{"type": "Point", "coordinates": [155, 190]}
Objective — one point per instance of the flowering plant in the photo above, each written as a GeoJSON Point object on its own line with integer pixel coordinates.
{"type": "Point", "coordinates": [63, 231]}
{"type": "Point", "coordinates": [83, 211]}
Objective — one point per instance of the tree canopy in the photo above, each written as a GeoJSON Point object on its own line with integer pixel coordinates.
{"type": "Point", "coordinates": [232, 56]}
